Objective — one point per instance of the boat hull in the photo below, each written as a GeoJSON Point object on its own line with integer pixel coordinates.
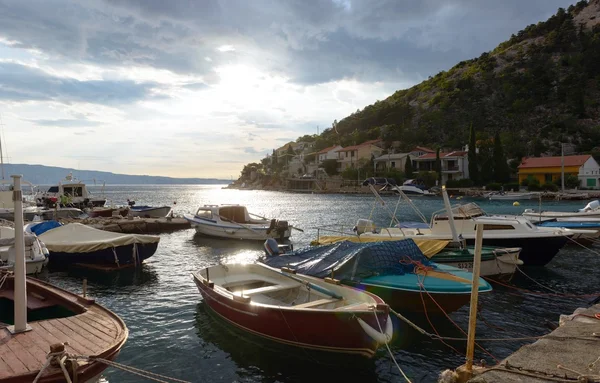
{"type": "Point", "coordinates": [534, 251]}
{"type": "Point", "coordinates": [105, 257]}
{"type": "Point", "coordinates": [101, 213]}
{"type": "Point", "coordinates": [158, 212]}
{"type": "Point", "coordinates": [491, 264]}
{"type": "Point", "coordinates": [323, 330]}
{"type": "Point", "coordinates": [250, 232]}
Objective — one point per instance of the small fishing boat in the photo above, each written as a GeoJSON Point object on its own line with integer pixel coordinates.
{"type": "Point", "coordinates": [149, 211]}
{"type": "Point", "coordinates": [69, 192]}
{"type": "Point", "coordinates": [494, 260]}
{"type": "Point", "coordinates": [396, 271]}
{"type": "Point", "coordinates": [235, 222]}
{"type": "Point", "coordinates": [100, 212]}
{"type": "Point", "coordinates": [77, 244]}
{"type": "Point", "coordinates": [508, 196]}
{"type": "Point", "coordinates": [36, 253]}
{"type": "Point", "coordinates": [591, 210]}
{"type": "Point", "coordinates": [297, 310]}
{"type": "Point", "coordinates": [55, 317]}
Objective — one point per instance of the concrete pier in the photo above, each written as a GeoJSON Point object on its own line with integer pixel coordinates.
{"type": "Point", "coordinates": [134, 226]}
{"type": "Point", "coordinates": [569, 353]}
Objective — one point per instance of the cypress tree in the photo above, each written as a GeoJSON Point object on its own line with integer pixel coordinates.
{"type": "Point", "coordinates": [472, 156]}
{"type": "Point", "coordinates": [438, 165]}
{"type": "Point", "coordinates": [408, 169]}
{"type": "Point", "coordinates": [501, 170]}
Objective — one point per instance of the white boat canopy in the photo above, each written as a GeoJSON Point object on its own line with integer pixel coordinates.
{"type": "Point", "coordinates": [79, 238]}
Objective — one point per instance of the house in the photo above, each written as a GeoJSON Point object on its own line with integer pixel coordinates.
{"type": "Point", "coordinates": [350, 156]}
{"type": "Point", "coordinates": [419, 151]}
{"type": "Point", "coordinates": [455, 164]}
{"type": "Point", "coordinates": [282, 151]}
{"type": "Point", "coordinates": [390, 161]}
{"type": "Point", "coordinates": [329, 153]}
{"type": "Point", "coordinates": [549, 169]}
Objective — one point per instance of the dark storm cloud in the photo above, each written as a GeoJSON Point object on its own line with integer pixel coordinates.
{"type": "Point", "coordinates": [20, 83]}
{"type": "Point", "coordinates": [307, 41]}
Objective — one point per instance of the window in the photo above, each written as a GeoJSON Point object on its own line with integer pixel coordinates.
{"type": "Point", "coordinates": [548, 178]}
{"type": "Point", "coordinates": [496, 227]}
{"type": "Point", "coordinates": [393, 164]}
{"type": "Point", "coordinates": [205, 214]}
{"type": "Point", "coordinates": [352, 154]}
{"type": "Point", "coordinates": [591, 182]}
{"type": "Point", "coordinates": [53, 189]}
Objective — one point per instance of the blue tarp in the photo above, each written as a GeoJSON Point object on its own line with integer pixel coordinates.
{"type": "Point", "coordinates": [43, 227]}
{"type": "Point", "coordinates": [354, 261]}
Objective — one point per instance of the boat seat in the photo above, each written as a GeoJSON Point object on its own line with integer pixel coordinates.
{"type": "Point", "coordinates": [266, 289]}
{"type": "Point", "coordinates": [316, 303]}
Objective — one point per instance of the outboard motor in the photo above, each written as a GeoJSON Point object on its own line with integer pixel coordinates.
{"type": "Point", "coordinates": [271, 247]}
{"type": "Point", "coordinates": [363, 226]}
{"type": "Point", "coordinates": [272, 226]}
{"type": "Point", "coordinates": [282, 227]}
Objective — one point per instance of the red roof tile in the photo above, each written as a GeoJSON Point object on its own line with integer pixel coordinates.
{"type": "Point", "coordinates": [423, 149]}
{"type": "Point", "coordinates": [550, 162]}
{"type": "Point", "coordinates": [355, 147]}
{"type": "Point", "coordinates": [326, 149]}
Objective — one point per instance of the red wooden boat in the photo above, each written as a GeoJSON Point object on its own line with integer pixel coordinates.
{"type": "Point", "coordinates": [296, 309]}
{"type": "Point", "coordinates": [56, 316]}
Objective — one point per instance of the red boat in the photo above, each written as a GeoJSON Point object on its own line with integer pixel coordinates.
{"type": "Point", "coordinates": [296, 309]}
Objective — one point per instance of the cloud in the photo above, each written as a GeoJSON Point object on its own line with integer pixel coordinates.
{"type": "Point", "coordinates": [251, 150]}
{"type": "Point", "coordinates": [67, 123]}
{"type": "Point", "coordinates": [20, 83]}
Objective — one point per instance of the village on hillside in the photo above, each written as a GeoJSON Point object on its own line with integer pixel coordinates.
{"type": "Point", "coordinates": [298, 166]}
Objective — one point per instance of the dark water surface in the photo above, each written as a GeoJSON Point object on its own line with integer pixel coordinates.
{"type": "Point", "coordinates": [173, 333]}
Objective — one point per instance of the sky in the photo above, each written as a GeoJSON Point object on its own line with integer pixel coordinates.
{"type": "Point", "coordinates": [185, 88]}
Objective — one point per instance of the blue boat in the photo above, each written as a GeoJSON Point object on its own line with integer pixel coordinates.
{"type": "Point", "coordinates": [570, 224]}
{"type": "Point", "coordinates": [396, 271]}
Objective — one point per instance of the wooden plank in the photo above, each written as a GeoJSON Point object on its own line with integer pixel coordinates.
{"type": "Point", "coordinates": [48, 331]}
{"type": "Point", "coordinates": [101, 318]}
{"type": "Point", "coordinates": [28, 360]}
{"type": "Point", "coordinates": [316, 303]}
{"type": "Point", "coordinates": [89, 347]}
{"type": "Point", "coordinates": [26, 340]}
{"type": "Point", "coordinates": [8, 356]}
{"type": "Point", "coordinates": [105, 337]}
{"type": "Point", "coordinates": [109, 331]}
{"type": "Point", "coordinates": [39, 341]}
{"type": "Point", "coordinates": [266, 289]}
{"type": "Point", "coordinates": [5, 370]}
{"type": "Point", "coordinates": [87, 335]}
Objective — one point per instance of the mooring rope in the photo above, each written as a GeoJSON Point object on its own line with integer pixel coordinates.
{"type": "Point", "coordinates": [389, 350]}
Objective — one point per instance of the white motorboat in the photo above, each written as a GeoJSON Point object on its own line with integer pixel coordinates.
{"type": "Point", "coordinates": [591, 210]}
{"type": "Point", "coordinates": [36, 254]}
{"type": "Point", "coordinates": [149, 211]}
{"type": "Point", "coordinates": [506, 196]}
{"type": "Point", "coordinates": [411, 187]}
{"type": "Point", "coordinates": [235, 222]}
{"type": "Point", "coordinates": [69, 192]}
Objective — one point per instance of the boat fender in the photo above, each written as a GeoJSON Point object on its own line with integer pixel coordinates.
{"type": "Point", "coordinates": [376, 335]}
{"type": "Point", "coordinates": [271, 247]}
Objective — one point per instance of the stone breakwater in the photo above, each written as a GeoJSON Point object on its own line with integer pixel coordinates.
{"type": "Point", "coordinates": [133, 226]}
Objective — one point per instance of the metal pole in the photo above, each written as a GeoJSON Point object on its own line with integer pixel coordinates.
{"type": "Point", "coordinates": [20, 287]}
{"type": "Point", "coordinates": [474, 297]}
{"type": "Point", "coordinates": [449, 212]}
{"type": "Point", "coordinates": [562, 167]}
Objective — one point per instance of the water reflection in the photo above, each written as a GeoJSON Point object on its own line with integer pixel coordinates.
{"type": "Point", "coordinates": [257, 357]}
{"type": "Point", "coordinates": [134, 276]}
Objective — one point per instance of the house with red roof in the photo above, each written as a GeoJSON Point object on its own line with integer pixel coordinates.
{"type": "Point", "coordinates": [350, 156]}
{"type": "Point", "coordinates": [329, 153]}
{"type": "Point", "coordinates": [455, 164]}
{"type": "Point", "coordinates": [549, 169]}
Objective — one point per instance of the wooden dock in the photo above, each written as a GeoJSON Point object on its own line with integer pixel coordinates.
{"type": "Point", "coordinates": [574, 346]}
{"type": "Point", "coordinates": [135, 225]}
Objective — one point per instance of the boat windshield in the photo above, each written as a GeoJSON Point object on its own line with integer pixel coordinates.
{"type": "Point", "coordinates": [74, 191]}
{"type": "Point", "coordinates": [204, 213]}
{"type": "Point", "coordinates": [53, 189]}
{"type": "Point", "coordinates": [467, 211]}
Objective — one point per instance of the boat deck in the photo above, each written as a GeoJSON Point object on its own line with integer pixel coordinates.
{"type": "Point", "coordinates": [93, 332]}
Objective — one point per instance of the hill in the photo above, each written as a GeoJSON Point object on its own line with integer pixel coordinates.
{"type": "Point", "coordinates": [49, 175]}
{"type": "Point", "coordinates": [538, 89]}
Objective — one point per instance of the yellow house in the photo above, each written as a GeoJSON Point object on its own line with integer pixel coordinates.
{"type": "Point", "coordinates": [548, 169]}
{"type": "Point", "coordinates": [350, 156]}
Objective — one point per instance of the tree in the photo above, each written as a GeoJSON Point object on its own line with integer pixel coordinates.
{"type": "Point", "coordinates": [438, 165]}
{"type": "Point", "coordinates": [408, 169]}
{"type": "Point", "coordinates": [500, 165]}
{"type": "Point", "coordinates": [330, 166]}
{"type": "Point", "coordinates": [472, 156]}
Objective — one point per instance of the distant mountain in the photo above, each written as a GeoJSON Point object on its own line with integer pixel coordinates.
{"type": "Point", "coordinates": [50, 175]}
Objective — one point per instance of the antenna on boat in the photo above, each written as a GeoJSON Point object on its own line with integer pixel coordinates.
{"type": "Point", "coordinates": [20, 287]}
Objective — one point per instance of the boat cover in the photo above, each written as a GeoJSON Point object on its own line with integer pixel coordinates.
{"type": "Point", "coordinates": [78, 238]}
{"type": "Point", "coordinates": [27, 238]}
{"type": "Point", "coordinates": [354, 261]}
{"type": "Point", "coordinates": [43, 227]}
{"type": "Point", "coordinates": [429, 247]}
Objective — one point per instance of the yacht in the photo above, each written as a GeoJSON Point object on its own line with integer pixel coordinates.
{"type": "Point", "coordinates": [69, 192]}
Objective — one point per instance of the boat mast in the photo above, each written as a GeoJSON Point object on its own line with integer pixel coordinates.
{"type": "Point", "coordinates": [20, 286]}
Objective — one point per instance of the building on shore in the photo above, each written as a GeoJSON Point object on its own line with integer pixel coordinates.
{"type": "Point", "coordinates": [549, 169]}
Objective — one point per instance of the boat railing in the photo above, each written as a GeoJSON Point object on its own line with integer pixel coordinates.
{"type": "Point", "coordinates": [335, 228]}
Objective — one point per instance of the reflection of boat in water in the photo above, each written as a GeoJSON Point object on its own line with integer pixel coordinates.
{"type": "Point", "coordinates": [217, 244]}
{"type": "Point", "coordinates": [130, 276]}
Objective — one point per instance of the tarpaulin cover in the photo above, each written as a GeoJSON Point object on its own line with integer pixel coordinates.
{"type": "Point", "coordinates": [43, 227]}
{"type": "Point", "coordinates": [428, 247]}
{"type": "Point", "coordinates": [354, 261]}
{"type": "Point", "coordinates": [78, 238]}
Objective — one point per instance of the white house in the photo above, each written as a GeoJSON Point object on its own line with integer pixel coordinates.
{"type": "Point", "coordinates": [390, 161]}
{"type": "Point", "coordinates": [329, 153]}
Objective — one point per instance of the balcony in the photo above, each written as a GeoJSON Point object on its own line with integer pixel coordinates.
{"type": "Point", "coordinates": [450, 169]}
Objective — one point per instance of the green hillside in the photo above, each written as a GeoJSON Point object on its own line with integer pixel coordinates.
{"type": "Point", "coordinates": [539, 88]}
